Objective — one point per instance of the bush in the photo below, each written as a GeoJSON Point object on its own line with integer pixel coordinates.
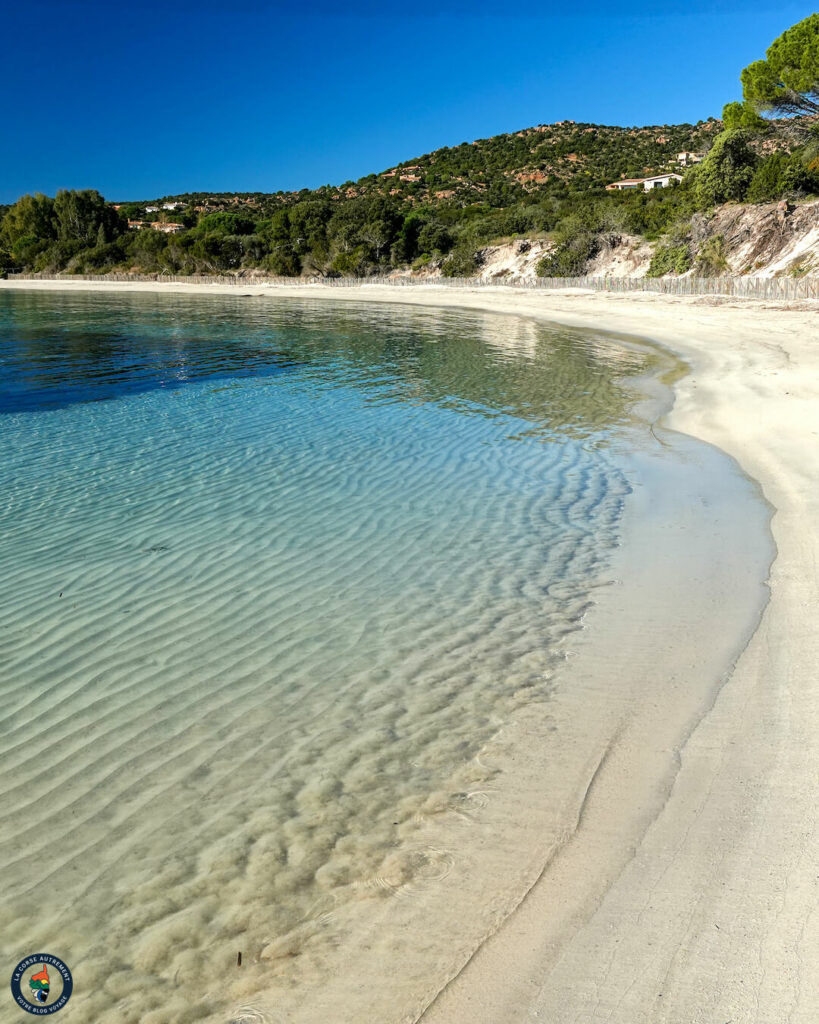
{"type": "Point", "coordinates": [576, 243]}
{"type": "Point", "coordinates": [350, 264]}
{"type": "Point", "coordinates": [282, 263]}
{"type": "Point", "coordinates": [99, 259]}
{"type": "Point", "coordinates": [799, 178]}
{"type": "Point", "coordinates": [781, 175]}
{"type": "Point", "coordinates": [56, 257]}
{"type": "Point", "coordinates": [434, 237]}
{"type": "Point", "coordinates": [669, 259]}
{"type": "Point", "coordinates": [767, 183]}
{"type": "Point", "coordinates": [711, 261]}
{"type": "Point", "coordinates": [461, 262]}
{"type": "Point", "coordinates": [225, 223]}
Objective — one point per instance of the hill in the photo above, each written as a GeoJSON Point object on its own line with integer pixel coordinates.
{"type": "Point", "coordinates": [498, 171]}
{"type": "Point", "coordinates": [505, 169]}
{"type": "Point", "coordinates": [436, 213]}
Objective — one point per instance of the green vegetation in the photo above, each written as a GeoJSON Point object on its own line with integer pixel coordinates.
{"type": "Point", "coordinates": [726, 173]}
{"type": "Point", "coordinates": [361, 235]}
{"type": "Point", "coordinates": [786, 82]}
{"type": "Point", "coordinates": [711, 261]}
{"type": "Point", "coordinates": [780, 175]}
{"type": "Point", "coordinates": [443, 208]}
{"type": "Point", "coordinates": [780, 97]}
{"type": "Point", "coordinates": [669, 259]}
{"type": "Point", "coordinates": [45, 234]}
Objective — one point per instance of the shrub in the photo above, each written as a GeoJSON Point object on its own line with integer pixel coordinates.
{"type": "Point", "coordinates": [711, 261]}
{"type": "Point", "coordinates": [350, 264]}
{"type": "Point", "coordinates": [99, 259]}
{"type": "Point", "coordinates": [570, 257]}
{"type": "Point", "coordinates": [283, 262]}
{"type": "Point", "coordinates": [225, 223]}
{"type": "Point", "coordinates": [767, 183]}
{"type": "Point", "coordinates": [434, 237]}
{"type": "Point", "coordinates": [799, 178]}
{"type": "Point", "coordinates": [780, 175]}
{"type": "Point", "coordinates": [669, 259]}
{"type": "Point", "coordinates": [461, 262]}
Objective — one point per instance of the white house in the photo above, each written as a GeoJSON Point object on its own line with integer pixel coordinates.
{"type": "Point", "coordinates": [689, 158]}
{"type": "Point", "coordinates": [660, 180]}
{"type": "Point", "coordinates": [647, 184]}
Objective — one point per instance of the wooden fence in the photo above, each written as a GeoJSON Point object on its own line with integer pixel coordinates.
{"type": "Point", "coordinates": [782, 288]}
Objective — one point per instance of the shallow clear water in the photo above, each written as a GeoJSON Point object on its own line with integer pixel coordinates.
{"type": "Point", "coordinates": [273, 574]}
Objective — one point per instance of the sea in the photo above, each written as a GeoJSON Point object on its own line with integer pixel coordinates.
{"type": "Point", "coordinates": [276, 575]}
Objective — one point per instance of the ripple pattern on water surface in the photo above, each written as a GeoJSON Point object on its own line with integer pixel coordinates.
{"type": "Point", "coordinates": [252, 637]}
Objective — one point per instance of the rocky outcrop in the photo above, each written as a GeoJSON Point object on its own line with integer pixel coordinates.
{"type": "Point", "coordinates": [769, 240]}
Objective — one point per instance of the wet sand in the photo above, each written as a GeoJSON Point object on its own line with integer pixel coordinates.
{"type": "Point", "coordinates": [686, 890]}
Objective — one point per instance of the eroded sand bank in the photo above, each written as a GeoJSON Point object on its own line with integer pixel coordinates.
{"type": "Point", "coordinates": [687, 893]}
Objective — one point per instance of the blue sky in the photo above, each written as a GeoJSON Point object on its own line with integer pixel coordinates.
{"type": "Point", "coordinates": [146, 99]}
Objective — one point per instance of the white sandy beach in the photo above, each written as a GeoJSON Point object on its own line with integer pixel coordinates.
{"type": "Point", "coordinates": [694, 900]}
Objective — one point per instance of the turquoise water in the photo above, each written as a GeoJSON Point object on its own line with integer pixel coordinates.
{"type": "Point", "coordinates": [273, 574]}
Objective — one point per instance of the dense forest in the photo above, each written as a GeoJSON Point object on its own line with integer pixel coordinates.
{"type": "Point", "coordinates": [440, 209]}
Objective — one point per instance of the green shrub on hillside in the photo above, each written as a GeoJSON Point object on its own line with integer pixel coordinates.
{"type": "Point", "coordinates": [576, 241]}
{"type": "Point", "coordinates": [669, 259]}
{"type": "Point", "coordinates": [569, 259]}
{"type": "Point", "coordinates": [780, 175]}
{"type": "Point", "coordinates": [767, 183]}
{"type": "Point", "coordinates": [461, 262]}
{"type": "Point", "coordinates": [711, 260]}
{"type": "Point", "coordinates": [350, 264]}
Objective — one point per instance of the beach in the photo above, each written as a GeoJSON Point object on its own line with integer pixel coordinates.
{"type": "Point", "coordinates": [686, 889]}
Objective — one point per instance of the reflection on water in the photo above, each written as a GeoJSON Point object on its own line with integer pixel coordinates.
{"type": "Point", "coordinates": [87, 348]}
{"type": "Point", "coordinates": [262, 608]}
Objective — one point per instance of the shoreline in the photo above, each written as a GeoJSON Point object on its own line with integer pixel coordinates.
{"type": "Point", "coordinates": [708, 916]}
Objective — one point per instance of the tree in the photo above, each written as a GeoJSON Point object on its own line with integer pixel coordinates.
{"type": "Point", "coordinates": [81, 214]}
{"type": "Point", "coordinates": [283, 262]}
{"type": "Point", "coordinates": [780, 175]}
{"type": "Point", "coordinates": [741, 115]}
{"type": "Point", "coordinates": [433, 237]}
{"type": "Point", "coordinates": [30, 216]}
{"type": "Point", "coordinates": [786, 82]}
{"type": "Point", "coordinates": [800, 179]}
{"type": "Point", "coordinates": [767, 183]}
{"type": "Point", "coordinates": [406, 245]}
{"type": "Point", "coordinates": [145, 249]}
{"type": "Point", "coordinates": [726, 173]}
{"type": "Point", "coordinates": [226, 223]}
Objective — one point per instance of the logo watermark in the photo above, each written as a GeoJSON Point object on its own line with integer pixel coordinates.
{"type": "Point", "coordinates": [41, 984]}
